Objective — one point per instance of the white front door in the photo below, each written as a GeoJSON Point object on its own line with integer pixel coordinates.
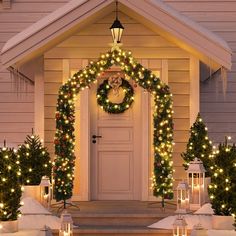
{"type": "Point", "coordinates": [116, 155]}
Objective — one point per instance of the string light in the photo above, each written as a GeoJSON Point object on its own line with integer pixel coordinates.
{"type": "Point", "coordinates": [162, 137]}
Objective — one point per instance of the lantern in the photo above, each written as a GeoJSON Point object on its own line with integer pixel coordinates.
{"type": "Point", "coordinates": [45, 191]}
{"type": "Point", "coordinates": [198, 230]}
{"type": "Point", "coordinates": [182, 198]}
{"type": "Point", "coordinates": [45, 231]}
{"type": "Point", "coordinates": [196, 182]}
{"type": "Point", "coordinates": [180, 226]}
{"type": "Point", "coordinates": [66, 224]}
{"type": "Point", "coordinates": [116, 28]}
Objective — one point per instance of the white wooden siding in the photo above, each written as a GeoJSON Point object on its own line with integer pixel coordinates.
{"type": "Point", "coordinates": [17, 109]}
{"type": "Point", "coordinates": [218, 110]}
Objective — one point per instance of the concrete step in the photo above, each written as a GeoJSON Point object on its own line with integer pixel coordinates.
{"type": "Point", "coordinates": [118, 219]}
{"type": "Point", "coordinates": [118, 231]}
{"type": "Point", "coordinates": [121, 218]}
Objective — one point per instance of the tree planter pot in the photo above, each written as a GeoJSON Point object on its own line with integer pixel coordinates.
{"type": "Point", "coordinates": [222, 222]}
{"type": "Point", "coordinates": [10, 226]}
{"type": "Point", "coordinates": [32, 191]}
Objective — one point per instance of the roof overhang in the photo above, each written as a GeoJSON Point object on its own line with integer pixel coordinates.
{"type": "Point", "coordinates": [156, 15]}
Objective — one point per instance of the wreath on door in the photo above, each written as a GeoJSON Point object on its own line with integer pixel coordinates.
{"type": "Point", "coordinates": [114, 83]}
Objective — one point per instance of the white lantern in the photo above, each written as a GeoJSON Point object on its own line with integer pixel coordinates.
{"type": "Point", "coordinates": [180, 226]}
{"type": "Point", "coordinates": [182, 198]}
{"type": "Point", "coordinates": [66, 224]}
{"type": "Point", "coordinates": [198, 230]}
{"type": "Point", "coordinates": [45, 191]}
{"type": "Point", "coordinates": [196, 182]}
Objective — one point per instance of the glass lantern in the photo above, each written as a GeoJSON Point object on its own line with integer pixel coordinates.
{"type": "Point", "coordinates": [66, 224]}
{"type": "Point", "coordinates": [180, 226]}
{"type": "Point", "coordinates": [182, 198]}
{"type": "Point", "coordinates": [196, 182]}
{"type": "Point", "coordinates": [45, 191]}
{"type": "Point", "coordinates": [116, 28]}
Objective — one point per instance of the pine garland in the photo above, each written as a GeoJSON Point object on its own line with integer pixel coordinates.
{"type": "Point", "coordinates": [162, 117]}
{"type": "Point", "coordinates": [10, 187]}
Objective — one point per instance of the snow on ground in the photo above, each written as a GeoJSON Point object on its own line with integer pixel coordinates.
{"type": "Point", "coordinates": [191, 220]}
{"type": "Point", "coordinates": [202, 216]}
{"type": "Point", "coordinates": [35, 216]}
{"type": "Point", "coordinates": [39, 221]}
{"type": "Point", "coordinates": [206, 209]}
{"type": "Point", "coordinates": [31, 206]}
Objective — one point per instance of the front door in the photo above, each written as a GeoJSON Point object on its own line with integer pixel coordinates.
{"type": "Point", "coordinates": [116, 151]}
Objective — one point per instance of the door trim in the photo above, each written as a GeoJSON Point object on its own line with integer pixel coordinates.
{"type": "Point", "coordinates": [84, 176]}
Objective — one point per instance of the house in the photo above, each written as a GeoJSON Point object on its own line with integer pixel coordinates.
{"type": "Point", "coordinates": [45, 42]}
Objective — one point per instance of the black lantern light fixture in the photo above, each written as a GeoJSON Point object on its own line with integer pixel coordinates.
{"type": "Point", "coordinates": [116, 28]}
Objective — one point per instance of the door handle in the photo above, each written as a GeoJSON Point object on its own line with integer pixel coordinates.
{"type": "Point", "coordinates": [96, 136]}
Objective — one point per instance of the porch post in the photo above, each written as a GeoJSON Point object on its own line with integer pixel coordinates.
{"type": "Point", "coordinates": [145, 160]}
{"type": "Point", "coordinates": [84, 143]}
{"type": "Point", "coordinates": [194, 105]}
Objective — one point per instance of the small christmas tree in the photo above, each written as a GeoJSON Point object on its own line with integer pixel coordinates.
{"type": "Point", "coordinates": [199, 146]}
{"type": "Point", "coordinates": [10, 187]}
{"type": "Point", "coordinates": [222, 190]}
{"type": "Point", "coordinates": [34, 161]}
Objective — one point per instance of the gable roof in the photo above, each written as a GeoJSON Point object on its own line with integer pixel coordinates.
{"type": "Point", "coordinates": [156, 15]}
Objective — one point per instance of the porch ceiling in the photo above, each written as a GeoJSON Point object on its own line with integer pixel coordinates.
{"type": "Point", "coordinates": [154, 14]}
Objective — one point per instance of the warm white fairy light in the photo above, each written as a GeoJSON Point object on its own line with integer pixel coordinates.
{"type": "Point", "coordinates": [164, 137]}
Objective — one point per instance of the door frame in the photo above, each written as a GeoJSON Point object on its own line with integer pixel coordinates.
{"type": "Point", "coordinates": [84, 174]}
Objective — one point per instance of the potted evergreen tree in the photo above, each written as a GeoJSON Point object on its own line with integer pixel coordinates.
{"type": "Point", "coordinates": [35, 163]}
{"type": "Point", "coordinates": [222, 190]}
{"type": "Point", "coordinates": [10, 190]}
{"type": "Point", "coordinates": [199, 146]}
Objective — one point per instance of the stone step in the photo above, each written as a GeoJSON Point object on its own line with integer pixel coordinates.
{"type": "Point", "coordinates": [118, 219]}
{"type": "Point", "coordinates": [118, 231]}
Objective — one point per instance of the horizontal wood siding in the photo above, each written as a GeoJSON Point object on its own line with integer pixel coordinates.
{"type": "Point", "coordinates": [218, 109]}
{"type": "Point", "coordinates": [16, 110]}
{"type": "Point", "coordinates": [17, 105]}
{"type": "Point", "coordinates": [144, 44]}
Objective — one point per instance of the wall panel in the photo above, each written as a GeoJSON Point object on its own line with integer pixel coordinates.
{"type": "Point", "coordinates": [218, 108]}
{"type": "Point", "coordinates": [17, 105]}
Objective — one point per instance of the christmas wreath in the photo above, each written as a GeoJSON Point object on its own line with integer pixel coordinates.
{"type": "Point", "coordinates": [115, 83]}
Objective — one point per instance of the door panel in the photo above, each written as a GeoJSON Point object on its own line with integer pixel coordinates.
{"type": "Point", "coordinates": [115, 135]}
{"type": "Point", "coordinates": [115, 175]}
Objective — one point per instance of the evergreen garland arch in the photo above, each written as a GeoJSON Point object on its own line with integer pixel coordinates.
{"type": "Point", "coordinates": [162, 120]}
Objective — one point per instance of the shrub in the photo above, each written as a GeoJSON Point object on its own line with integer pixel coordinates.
{"type": "Point", "coordinates": [34, 161]}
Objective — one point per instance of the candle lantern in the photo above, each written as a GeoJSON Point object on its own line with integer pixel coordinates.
{"type": "Point", "coordinates": [198, 230]}
{"type": "Point", "coordinates": [182, 198]}
{"type": "Point", "coordinates": [196, 182]}
{"type": "Point", "coordinates": [180, 226]}
{"type": "Point", "coordinates": [66, 224]}
{"type": "Point", "coordinates": [45, 191]}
